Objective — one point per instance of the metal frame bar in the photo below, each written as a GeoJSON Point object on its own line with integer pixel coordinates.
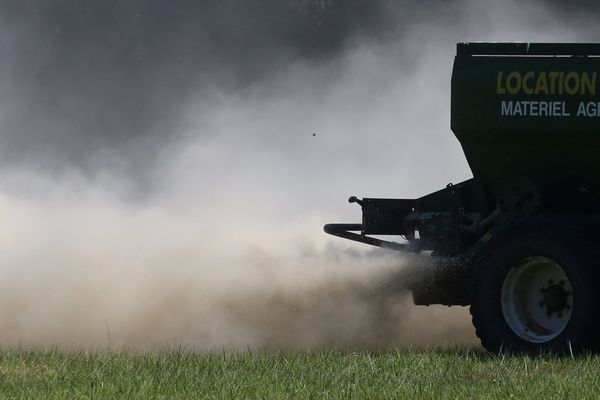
{"type": "Point", "coordinates": [345, 231]}
{"type": "Point", "coordinates": [524, 48]}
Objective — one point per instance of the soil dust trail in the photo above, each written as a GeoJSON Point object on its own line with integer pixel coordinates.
{"type": "Point", "coordinates": [160, 183]}
{"type": "Point", "coordinates": [92, 274]}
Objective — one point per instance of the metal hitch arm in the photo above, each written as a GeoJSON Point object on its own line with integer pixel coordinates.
{"type": "Point", "coordinates": [346, 231]}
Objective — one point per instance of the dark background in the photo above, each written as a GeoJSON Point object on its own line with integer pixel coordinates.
{"type": "Point", "coordinates": [78, 77]}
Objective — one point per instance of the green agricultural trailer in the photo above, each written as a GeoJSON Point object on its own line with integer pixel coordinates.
{"type": "Point", "coordinates": [519, 242]}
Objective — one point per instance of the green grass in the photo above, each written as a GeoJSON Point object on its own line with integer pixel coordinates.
{"type": "Point", "coordinates": [435, 374]}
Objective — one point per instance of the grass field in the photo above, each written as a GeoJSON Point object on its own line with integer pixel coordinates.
{"type": "Point", "coordinates": [434, 374]}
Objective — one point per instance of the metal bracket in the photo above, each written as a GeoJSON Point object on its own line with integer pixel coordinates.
{"type": "Point", "coordinates": [345, 231]}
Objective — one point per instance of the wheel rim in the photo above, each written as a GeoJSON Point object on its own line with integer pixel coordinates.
{"type": "Point", "coordinates": [537, 300]}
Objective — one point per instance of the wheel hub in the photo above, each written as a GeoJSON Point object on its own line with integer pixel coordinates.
{"type": "Point", "coordinates": [555, 299]}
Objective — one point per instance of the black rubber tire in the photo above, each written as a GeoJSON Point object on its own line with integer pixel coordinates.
{"type": "Point", "coordinates": [570, 246]}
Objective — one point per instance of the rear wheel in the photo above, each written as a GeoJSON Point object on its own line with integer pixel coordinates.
{"type": "Point", "coordinates": [533, 292]}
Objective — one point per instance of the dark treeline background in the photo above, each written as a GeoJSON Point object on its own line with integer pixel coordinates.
{"type": "Point", "coordinates": [81, 75]}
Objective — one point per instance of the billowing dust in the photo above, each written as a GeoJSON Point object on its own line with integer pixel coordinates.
{"type": "Point", "coordinates": [92, 273]}
{"type": "Point", "coordinates": [139, 216]}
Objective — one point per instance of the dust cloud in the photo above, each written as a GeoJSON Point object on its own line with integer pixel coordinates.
{"type": "Point", "coordinates": [166, 171]}
{"type": "Point", "coordinates": [90, 273]}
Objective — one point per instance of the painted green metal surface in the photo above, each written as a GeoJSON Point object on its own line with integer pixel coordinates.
{"type": "Point", "coordinates": [531, 113]}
